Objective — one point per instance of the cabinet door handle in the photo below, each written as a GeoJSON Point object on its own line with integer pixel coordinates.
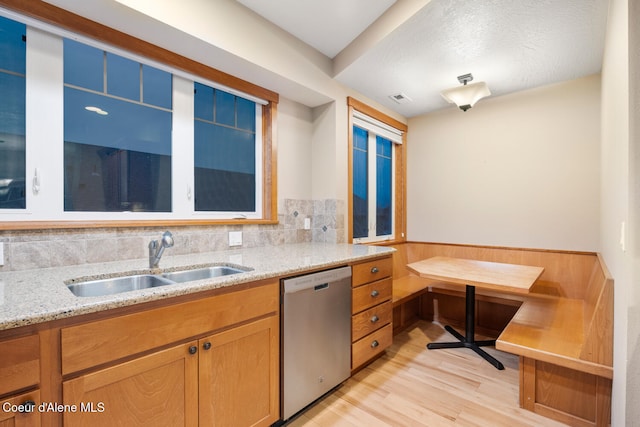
{"type": "Point", "coordinates": [374, 270]}
{"type": "Point", "coordinates": [207, 345]}
{"type": "Point", "coordinates": [375, 343]}
{"type": "Point", "coordinates": [193, 349]}
{"type": "Point", "coordinates": [27, 407]}
{"type": "Point", "coordinates": [375, 318]}
{"type": "Point", "coordinates": [374, 293]}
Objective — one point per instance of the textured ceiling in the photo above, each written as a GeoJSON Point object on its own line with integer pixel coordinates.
{"type": "Point", "coordinates": [512, 45]}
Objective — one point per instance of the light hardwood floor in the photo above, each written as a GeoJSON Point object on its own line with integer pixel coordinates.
{"type": "Point", "coordinates": [413, 386]}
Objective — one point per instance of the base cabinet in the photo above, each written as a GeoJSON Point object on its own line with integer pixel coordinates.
{"type": "Point", "coordinates": [20, 410]}
{"type": "Point", "coordinates": [226, 379]}
{"type": "Point", "coordinates": [160, 389]}
{"type": "Point", "coordinates": [239, 376]}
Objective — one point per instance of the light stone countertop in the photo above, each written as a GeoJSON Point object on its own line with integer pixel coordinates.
{"type": "Point", "coordinates": [41, 295]}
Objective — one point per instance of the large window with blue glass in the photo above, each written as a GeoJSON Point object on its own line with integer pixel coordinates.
{"type": "Point", "coordinates": [375, 182]}
{"type": "Point", "coordinates": [225, 151]}
{"type": "Point", "coordinates": [117, 133]}
{"type": "Point", "coordinates": [12, 114]}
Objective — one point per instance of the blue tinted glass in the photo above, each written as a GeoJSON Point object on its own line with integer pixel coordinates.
{"type": "Point", "coordinates": [360, 138]}
{"type": "Point", "coordinates": [157, 87]}
{"type": "Point", "coordinates": [383, 146]}
{"type": "Point", "coordinates": [12, 45]}
{"type": "Point", "coordinates": [224, 169]}
{"type": "Point", "coordinates": [360, 187]}
{"type": "Point", "coordinates": [123, 77]}
{"type": "Point", "coordinates": [383, 186]}
{"type": "Point", "coordinates": [119, 161]}
{"type": "Point", "coordinates": [203, 102]}
{"type": "Point", "coordinates": [225, 108]}
{"type": "Point", "coordinates": [246, 114]}
{"type": "Point", "coordinates": [383, 196]}
{"type": "Point", "coordinates": [12, 142]}
{"type": "Point", "coordinates": [83, 66]}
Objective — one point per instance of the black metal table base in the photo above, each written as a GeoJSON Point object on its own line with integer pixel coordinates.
{"type": "Point", "coordinates": [468, 340]}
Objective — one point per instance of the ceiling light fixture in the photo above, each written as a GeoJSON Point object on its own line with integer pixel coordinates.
{"type": "Point", "coordinates": [467, 95]}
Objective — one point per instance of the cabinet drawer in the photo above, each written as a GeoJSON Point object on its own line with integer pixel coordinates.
{"type": "Point", "coordinates": [19, 363]}
{"type": "Point", "coordinates": [368, 321]}
{"type": "Point", "coordinates": [371, 345]}
{"type": "Point", "coordinates": [371, 271]}
{"type": "Point", "coordinates": [95, 343]}
{"type": "Point", "coordinates": [366, 296]}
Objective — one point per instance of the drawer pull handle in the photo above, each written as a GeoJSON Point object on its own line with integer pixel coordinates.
{"type": "Point", "coordinates": [27, 407]}
{"type": "Point", "coordinates": [374, 293]}
{"type": "Point", "coordinates": [193, 349]}
{"type": "Point", "coordinates": [375, 343]}
{"type": "Point", "coordinates": [207, 345]}
{"type": "Point", "coordinates": [374, 319]}
{"type": "Point", "coordinates": [374, 270]}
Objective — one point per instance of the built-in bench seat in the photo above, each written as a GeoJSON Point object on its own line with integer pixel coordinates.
{"type": "Point", "coordinates": [562, 330]}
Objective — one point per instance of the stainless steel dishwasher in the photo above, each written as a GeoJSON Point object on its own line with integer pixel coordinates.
{"type": "Point", "coordinates": [316, 336]}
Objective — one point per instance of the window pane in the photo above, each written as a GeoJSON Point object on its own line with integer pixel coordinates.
{"type": "Point", "coordinates": [123, 77]}
{"type": "Point", "coordinates": [12, 115]}
{"type": "Point", "coordinates": [383, 186]}
{"type": "Point", "coordinates": [225, 108]}
{"type": "Point", "coordinates": [360, 185]}
{"type": "Point", "coordinates": [83, 66]}
{"type": "Point", "coordinates": [12, 45]}
{"type": "Point", "coordinates": [246, 114]}
{"type": "Point", "coordinates": [225, 155]}
{"type": "Point", "coordinates": [203, 98]}
{"type": "Point", "coordinates": [117, 154]}
{"type": "Point", "coordinates": [157, 87]}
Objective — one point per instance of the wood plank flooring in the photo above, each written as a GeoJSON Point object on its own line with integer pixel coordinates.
{"type": "Point", "coordinates": [413, 386]}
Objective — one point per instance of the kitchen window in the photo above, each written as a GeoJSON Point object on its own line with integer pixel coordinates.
{"type": "Point", "coordinates": [376, 175]}
{"type": "Point", "coordinates": [122, 138]}
{"type": "Point", "coordinates": [117, 133]}
{"type": "Point", "coordinates": [12, 114]}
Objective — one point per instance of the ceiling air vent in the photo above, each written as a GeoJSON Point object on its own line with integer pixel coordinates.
{"type": "Point", "coordinates": [400, 98]}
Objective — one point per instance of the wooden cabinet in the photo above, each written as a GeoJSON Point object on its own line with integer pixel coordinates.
{"type": "Point", "coordinates": [239, 378]}
{"type": "Point", "coordinates": [20, 410]}
{"type": "Point", "coordinates": [20, 371]}
{"type": "Point", "coordinates": [222, 369]}
{"type": "Point", "coordinates": [160, 389]}
{"type": "Point", "coordinates": [371, 330]}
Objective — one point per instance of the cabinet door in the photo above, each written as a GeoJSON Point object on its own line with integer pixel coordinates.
{"type": "Point", "coordinates": [239, 375]}
{"type": "Point", "coordinates": [159, 389]}
{"type": "Point", "coordinates": [10, 410]}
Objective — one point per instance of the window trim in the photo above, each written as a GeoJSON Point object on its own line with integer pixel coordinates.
{"type": "Point", "coordinates": [400, 154]}
{"type": "Point", "coordinates": [61, 19]}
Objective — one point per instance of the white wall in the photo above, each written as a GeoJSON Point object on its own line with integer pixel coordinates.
{"type": "Point", "coordinates": [517, 170]}
{"type": "Point", "coordinates": [294, 137]}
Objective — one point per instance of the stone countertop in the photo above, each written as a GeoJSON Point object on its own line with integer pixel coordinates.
{"type": "Point", "coordinates": [41, 295]}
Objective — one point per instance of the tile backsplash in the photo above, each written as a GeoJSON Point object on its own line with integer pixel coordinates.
{"type": "Point", "coordinates": [30, 249]}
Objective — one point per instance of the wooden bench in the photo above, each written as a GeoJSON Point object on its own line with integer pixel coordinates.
{"type": "Point", "coordinates": [562, 330]}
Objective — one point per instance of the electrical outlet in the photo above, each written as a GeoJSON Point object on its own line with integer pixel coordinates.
{"type": "Point", "coordinates": [235, 238]}
{"type": "Point", "coordinates": [307, 223]}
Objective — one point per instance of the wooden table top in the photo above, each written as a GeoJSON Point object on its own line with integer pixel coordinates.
{"type": "Point", "coordinates": [482, 274]}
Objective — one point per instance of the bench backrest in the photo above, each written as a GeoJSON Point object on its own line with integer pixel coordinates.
{"type": "Point", "coordinates": [598, 316]}
{"type": "Point", "coordinates": [565, 273]}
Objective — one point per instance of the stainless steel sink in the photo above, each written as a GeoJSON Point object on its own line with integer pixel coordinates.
{"type": "Point", "coordinates": [116, 285]}
{"type": "Point", "coordinates": [94, 288]}
{"type": "Point", "coordinates": [201, 273]}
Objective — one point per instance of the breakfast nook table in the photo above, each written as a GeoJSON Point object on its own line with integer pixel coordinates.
{"type": "Point", "coordinates": [501, 277]}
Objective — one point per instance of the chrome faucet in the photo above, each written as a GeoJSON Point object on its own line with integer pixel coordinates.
{"type": "Point", "coordinates": [157, 248]}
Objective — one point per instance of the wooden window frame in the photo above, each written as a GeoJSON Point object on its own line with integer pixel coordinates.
{"type": "Point", "coordinates": [64, 19]}
{"type": "Point", "coordinates": [400, 153]}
